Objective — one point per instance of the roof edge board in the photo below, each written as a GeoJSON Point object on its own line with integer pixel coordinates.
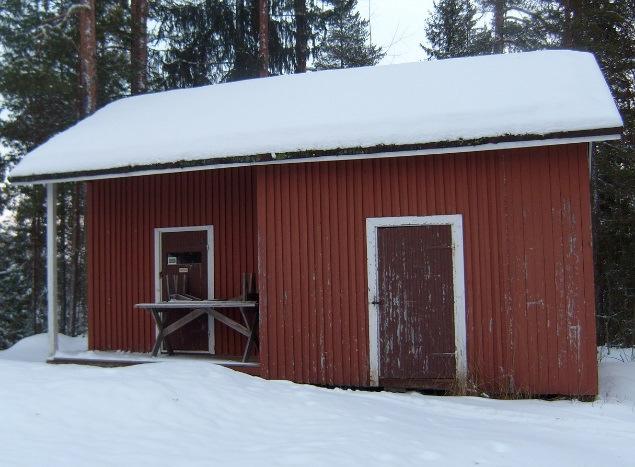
{"type": "Point", "coordinates": [484, 144]}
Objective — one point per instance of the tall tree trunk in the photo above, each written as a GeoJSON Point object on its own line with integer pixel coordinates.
{"type": "Point", "coordinates": [263, 38]}
{"type": "Point", "coordinates": [76, 238]}
{"type": "Point", "coordinates": [239, 39]}
{"type": "Point", "coordinates": [36, 267]}
{"type": "Point", "coordinates": [88, 57]}
{"type": "Point", "coordinates": [88, 89]}
{"type": "Point", "coordinates": [63, 283]}
{"type": "Point", "coordinates": [500, 9]}
{"type": "Point", "coordinates": [567, 28]}
{"type": "Point", "coordinates": [575, 17]}
{"type": "Point", "coordinates": [139, 46]}
{"type": "Point", "coordinates": [301, 35]}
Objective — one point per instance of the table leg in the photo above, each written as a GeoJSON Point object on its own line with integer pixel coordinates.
{"type": "Point", "coordinates": [253, 339]}
{"type": "Point", "coordinates": [159, 340]}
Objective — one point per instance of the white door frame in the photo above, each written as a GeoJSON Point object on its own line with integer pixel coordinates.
{"type": "Point", "coordinates": [455, 221]}
{"type": "Point", "coordinates": [210, 271]}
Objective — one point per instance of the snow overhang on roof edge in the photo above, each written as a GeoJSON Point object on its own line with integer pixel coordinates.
{"type": "Point", "coordinates": [481, 144]}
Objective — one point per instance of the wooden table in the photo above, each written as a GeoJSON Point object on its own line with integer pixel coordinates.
{"type": "Point", "coordinates": [195, 308]}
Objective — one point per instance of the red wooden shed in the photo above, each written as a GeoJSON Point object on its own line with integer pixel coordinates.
{"type": "Point", "coordinates": [420, 225]}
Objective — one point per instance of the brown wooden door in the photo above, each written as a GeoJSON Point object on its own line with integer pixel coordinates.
{"type": "Point", "coordinates": [416, 306]}
{"type": "Point", "coordinates": [184, 271]}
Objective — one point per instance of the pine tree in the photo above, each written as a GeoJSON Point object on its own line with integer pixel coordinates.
{"type": "Point", "coordinates": [301, 35]}
{"type": "Point", "coordinates": [345, 41]}
{"type": "Point", "coordinates": [22, 310]}
{"type": "Point", "coordinates": [138, 46]}
{"type": "Point", "coordinates": [196, 38]}
{"type": "Point", "coordinates": [499, 12]}
{"type": "Point", "coordinates": [263, 38]}
{"type": "Point", "coordinates": [39, 83]}
{"type": "Point", "coordinates": [453, 31]}
{"type": "Point", "coordinates": [211, 41]}
{"type": "Point", "coordinates": [87, 57]}
{"type": "Point", "coordinates": [517, 26]}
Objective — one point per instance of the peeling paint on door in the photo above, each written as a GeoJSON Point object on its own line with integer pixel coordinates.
{"type": "Point", "coordinates": [416, 303]}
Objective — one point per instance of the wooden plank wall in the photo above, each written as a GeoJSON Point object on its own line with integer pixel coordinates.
{"type": "Point", "coordinates": [529, 272]}
{"type": "Point", "coordinates": [121, 217]}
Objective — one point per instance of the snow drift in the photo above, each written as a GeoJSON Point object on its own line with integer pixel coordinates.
{"type": "Point", "coordinates": [35, 348]}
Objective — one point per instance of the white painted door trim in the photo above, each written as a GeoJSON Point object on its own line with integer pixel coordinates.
{"type": "Point", "coordinates": [455, 221]}
{"type": "Point", "coordinates": [211, 344]}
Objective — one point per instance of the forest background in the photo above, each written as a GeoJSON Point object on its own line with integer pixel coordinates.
{"type": "Point", "coordinates": [61, 60]}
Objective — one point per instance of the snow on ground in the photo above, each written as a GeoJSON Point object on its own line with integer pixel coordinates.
{"type": "Point", "coordinates": [35, 348]}
{"type": "Point", "coordinates": [195, 413]}
{"type": "Point", "coordinates": [616, 383]}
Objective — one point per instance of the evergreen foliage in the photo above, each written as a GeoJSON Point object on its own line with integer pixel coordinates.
{"type": "Point", "coordinates": [40, 97]}
{"type": "Point", "coordinates": [38, 83]}
{"type": "Point", "coordinates": [453, 31]}
{"type": "Point", "coordinates": [22, 293]}
{"type": "Point", "coordinates": [345, 42]}
{"type": "Point", "coordinates": [209, 41]}
{"type": "Point", "coordinates": [197, 42]}
{"type": "Point", "coordinates": [521, 25]}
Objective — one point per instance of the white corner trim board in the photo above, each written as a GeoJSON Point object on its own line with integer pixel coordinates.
{"type": "Point", "coordinates": [455, 221]}
{"type": "Point", "coordinates": [210, 270]}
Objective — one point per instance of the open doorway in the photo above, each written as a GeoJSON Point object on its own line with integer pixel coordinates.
{"type": "Point", "coordinates": [184, 269]}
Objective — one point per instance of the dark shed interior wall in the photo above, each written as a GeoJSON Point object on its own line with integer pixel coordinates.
{"type": "Point", "coordinates": [529, 272]}
{"type": "Point", "coordinates": [122, 215]}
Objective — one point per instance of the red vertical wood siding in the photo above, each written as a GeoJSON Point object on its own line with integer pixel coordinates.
{"type": "Point", "coordinates": [528, 263]}
{"type": "Point", "coordinates": [122, 216]}
{"type": "Point", "coordinates": [527, 242]}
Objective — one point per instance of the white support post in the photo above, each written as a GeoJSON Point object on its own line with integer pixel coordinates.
{"type": "Point", "coordinates": [51, 265]}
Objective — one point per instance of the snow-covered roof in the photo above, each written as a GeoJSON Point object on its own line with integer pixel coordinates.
{"type": "Point", "coordinates": [445, 103]}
